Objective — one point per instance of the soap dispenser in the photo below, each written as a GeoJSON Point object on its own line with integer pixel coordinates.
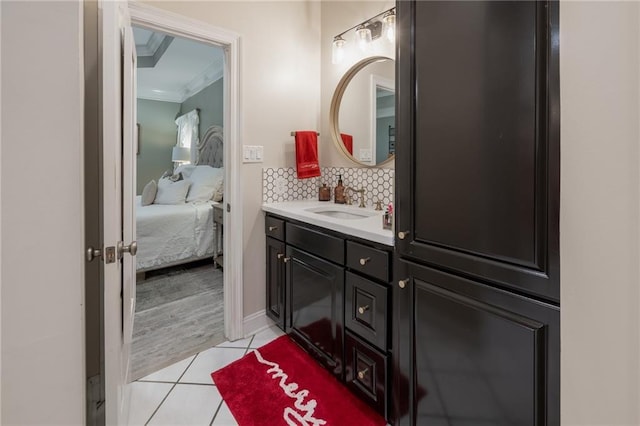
{"type": "Point", "coordinates": [338, 192]}
{"type": "Point", "coordinates": [324, 193]}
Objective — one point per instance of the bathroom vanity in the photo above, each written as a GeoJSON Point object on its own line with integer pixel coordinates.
{"type": "Point", "coordinates": [328, 286]}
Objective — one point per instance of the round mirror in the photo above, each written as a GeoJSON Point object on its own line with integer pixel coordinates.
{"type": "Point", "coordinates": [363, 115]}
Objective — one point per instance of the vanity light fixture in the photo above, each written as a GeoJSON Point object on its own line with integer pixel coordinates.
{"type": "Point", "coordinates": [337, 51]}
{"type": "Point", "coordinates": [363, 37]}
{"type": "Point", "coordinates": [389, 25]}
{"type": "Point", "coordinates": [366, 32]}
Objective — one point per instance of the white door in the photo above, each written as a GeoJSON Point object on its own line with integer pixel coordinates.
{"type": "Point", "coordinates": [118, 138]}
{"type": "Point", "coordinates": [129, 148]}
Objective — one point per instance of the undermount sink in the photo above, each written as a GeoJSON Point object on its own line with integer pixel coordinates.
{"type": "Point", "coordinates": [341, 212]}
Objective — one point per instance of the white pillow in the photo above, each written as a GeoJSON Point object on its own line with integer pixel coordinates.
{"type": "Point", "coordinates": [170, 192]}
{"type": "Point", "coordinates": [207, 183]}
{"type": "Point", "coordinates": [186, 170]}
{"type": "Point", "coordinates": [149, 193]}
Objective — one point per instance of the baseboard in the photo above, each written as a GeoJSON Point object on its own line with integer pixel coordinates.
{"type": "Point", "coordinates": [256, 322]}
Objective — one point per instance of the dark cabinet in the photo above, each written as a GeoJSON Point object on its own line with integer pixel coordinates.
{"type": "Point", "coordinates": [276, 281]}
{"type": "Point", "coordinates": [336, 304]}
{"type": "Point", "coordinates": [476, 278]}
{"type": "Point", "coordinates": [476, 354]}
{"type": "Point", "coordinates": [315, 290]}
{"type": "Point", "coordinates": [477, 176]}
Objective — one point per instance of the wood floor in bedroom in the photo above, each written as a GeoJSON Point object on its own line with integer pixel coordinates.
{"type": "Point", "coordinates": [179, 312]}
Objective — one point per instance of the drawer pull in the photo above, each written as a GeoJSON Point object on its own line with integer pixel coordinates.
{"type": "Point", "coordinates": [363, 309]}
{"type": "Point", "coordinates": [286, 259]}
{"type": "Point", "coordinates": [280, 256]}
{"type": "Point", "coordinates": [272, 228]}
{"type": "Point", "coordinates": [403, 283]}
{"type": "Point", "coordinates": [362, 373]}
{"type": "Point", "coordinates": [403, 234]}
{"type": "Point", "coordinates": [364, 260]}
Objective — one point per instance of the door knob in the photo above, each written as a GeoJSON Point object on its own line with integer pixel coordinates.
{"type": "Point", "coordinates": [364, 260]}
{"type": "Point", "coordinates": [403, 234]}
{"type": "Point", "coordinates": [280, 255]}
{"type": "Point", "coordinates": [132, 249]}
{"type": "Point", "coordinates": [403, 283]}
{"type": "Point", "coordinates": [362, 373]}
{"type": "Point", "coordinates": [93, 254]}
{"type": "Point", "coordinates": [363, 309]}
{"type": "Point", "coordinates": [272, 228]}
{"type": "Point", "coordinates": [286, 259]}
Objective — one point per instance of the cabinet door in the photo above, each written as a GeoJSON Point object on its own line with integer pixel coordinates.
{"type": "Point", "coordinates": [276, 281]}
{"type": "Point", "coordinates": [466, 353]}
{"type": "Point", "coordinates": [315, 311]}
{"type": "Point", "coordinates": [477, 176]}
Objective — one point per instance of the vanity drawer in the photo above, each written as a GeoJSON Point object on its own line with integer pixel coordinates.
{"type": "Point", "coordinates": [274, 228]}
{"type": "Point", "coordinates": [312, 241]}
{"type": "Point", "coordinates": [368, 260]}
{"type": "Point", "coordinates": [366, 372]}
{"type": "Point", "coordinates": [366, 309]}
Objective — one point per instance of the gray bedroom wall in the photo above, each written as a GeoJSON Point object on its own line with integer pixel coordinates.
{"type": "Point", "coordinates": [210, 102]}
{"type": "Point", "coordinates": [157, 137]}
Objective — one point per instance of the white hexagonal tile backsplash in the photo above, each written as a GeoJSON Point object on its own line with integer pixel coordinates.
{"type": "Point", "coordinates": [281, 184]}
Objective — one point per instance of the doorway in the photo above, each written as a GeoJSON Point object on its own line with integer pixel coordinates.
{"type": "Point", "coordinates": [178, 191]}
{"type": "Point", "coordinates": [115, 349]}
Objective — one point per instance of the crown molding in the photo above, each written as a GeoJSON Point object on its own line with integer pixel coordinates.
{"type": "Point", "coordinates": [149, 49]}
{"type": "Point", "coordinates": [211, 74]}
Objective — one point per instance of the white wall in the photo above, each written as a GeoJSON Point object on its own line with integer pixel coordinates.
{"type": "Point", "coordinates": [280, 92]}
{"type": "Point", "coordinates": [338, 16]}
{"type": "Point", "coordinates": [42, 214]}
{"type": "Point", "coordinates": [600, 279]}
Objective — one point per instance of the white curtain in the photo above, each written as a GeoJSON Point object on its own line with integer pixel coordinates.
{"type": "Point", "coordinates": [188, 132]}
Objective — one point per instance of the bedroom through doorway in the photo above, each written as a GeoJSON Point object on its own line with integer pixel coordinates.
{"type": "Point", "coordinates": [179, 194]}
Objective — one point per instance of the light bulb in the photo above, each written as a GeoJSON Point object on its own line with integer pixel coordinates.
{"type": "Point", "coordinates": [389, 25]}
{"type": "Point", "coordinates": [363, 37]}
{"type": "Point", "coordinates": [337, 51]}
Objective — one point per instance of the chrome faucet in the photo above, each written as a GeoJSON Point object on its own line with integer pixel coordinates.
{"type": "Point", "coordinates": [360, 191]}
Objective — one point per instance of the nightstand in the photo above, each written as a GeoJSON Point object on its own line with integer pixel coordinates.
{"type": "Point", "coordinates": [218, 219]}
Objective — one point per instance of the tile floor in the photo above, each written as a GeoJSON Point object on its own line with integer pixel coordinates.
{"type": "Point", "coordinates": [184, 394]}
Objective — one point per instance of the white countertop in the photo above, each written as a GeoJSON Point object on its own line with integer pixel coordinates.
{"type": "Point", "coordinates": [368, 228]}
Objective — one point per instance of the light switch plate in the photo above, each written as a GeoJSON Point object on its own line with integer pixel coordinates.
{"type": "Point", "coordinates": [252, 153]}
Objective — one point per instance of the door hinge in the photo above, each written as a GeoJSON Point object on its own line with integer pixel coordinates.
{"type": "Point", "coordinates": [228, 208]}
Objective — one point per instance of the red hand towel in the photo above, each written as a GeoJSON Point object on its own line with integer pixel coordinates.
{"type": "Point", "coordinates": [307, 155]}
{"type": "Point", "coordinates": [347, 140]}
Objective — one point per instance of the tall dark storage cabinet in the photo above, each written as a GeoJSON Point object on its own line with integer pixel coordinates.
{"type": "Point", "coordinates": [476, 298]}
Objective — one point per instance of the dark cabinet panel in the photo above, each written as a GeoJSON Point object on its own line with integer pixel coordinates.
{"type": "Point", "coordinates": [369, 261]}
{"type": "Point", "coordinates": [319, 243]}
{"type": "Point", "coordinates": [366, 372]}
{"type": "Point", "coordinates": [274, 227]}
{"type": "Point", "coordinates": [478, 140]}
{"type": "Point", "coordinates": [367, 309]}
{"type": "Point", "coordinates": [276, 281]}
{"type": "Point", "coordinates": [315, 290]}
{"type": "Point", "coordinates": [474, 354]}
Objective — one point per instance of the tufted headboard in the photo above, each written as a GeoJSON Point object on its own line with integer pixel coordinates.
{"type": "Point", "coordinates": [210, 149]}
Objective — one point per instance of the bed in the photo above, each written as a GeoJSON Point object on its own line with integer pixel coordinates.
{"type": "Point", "coordinates": [182, 232]}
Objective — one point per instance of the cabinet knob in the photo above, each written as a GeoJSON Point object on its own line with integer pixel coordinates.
{"type": "Point", "coordinates": [362, 373]}
{"type": "Point", "coordinates": [364, 260]}
{"type": "Point", "coordinates": [363, 309]}
{"type": "Point", "coordinates": [272, 228]}
{"type": "Point", "coordinates": [280, 256]}
{"type": "Point", "coordinates": [403, 283]}
{"type": "Point", "coordinates": [403, 234]}
{"type": "Point", "coordinates": [286, 259]}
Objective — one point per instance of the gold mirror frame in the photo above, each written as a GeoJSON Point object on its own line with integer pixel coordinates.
{"type": "Point", "coordinates": [335, 109]}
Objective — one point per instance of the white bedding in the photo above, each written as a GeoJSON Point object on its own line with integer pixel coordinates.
{"type": "Point", "coordinates": [168, 234]}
